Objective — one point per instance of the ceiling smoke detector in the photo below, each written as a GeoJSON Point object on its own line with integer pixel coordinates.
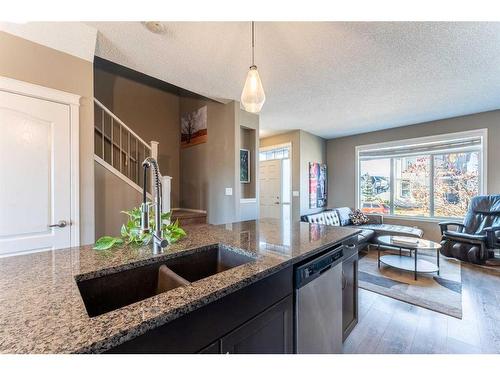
{"type": "Point", "coordinates": [154, 26]}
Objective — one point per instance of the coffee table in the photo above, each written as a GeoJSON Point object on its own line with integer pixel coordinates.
{"type": "Point", "coordinates": [408, 263]}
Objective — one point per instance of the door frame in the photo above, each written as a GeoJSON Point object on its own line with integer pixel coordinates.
{"type": "Point", "coordinates": [290, 157]}
{"type": "Point", "coordinates": [15, 86]}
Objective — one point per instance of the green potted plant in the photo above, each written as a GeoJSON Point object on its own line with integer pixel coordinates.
{"type": "Point", "coordinates": [131, 231]}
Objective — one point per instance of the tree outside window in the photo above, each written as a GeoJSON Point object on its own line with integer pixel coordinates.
{"type": "Point", "coordinates": [432, 185]}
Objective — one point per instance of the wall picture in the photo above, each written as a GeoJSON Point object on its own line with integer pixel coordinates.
{"type": "Point", "coordinates": [194, 127]}
{"type": "Point", "coordinates": [317, 185]}
{"type": "Point", "coordinates": [244, 166]}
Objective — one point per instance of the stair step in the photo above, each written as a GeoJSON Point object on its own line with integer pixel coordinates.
{"type": "Point", "coordinates": [189, 217]}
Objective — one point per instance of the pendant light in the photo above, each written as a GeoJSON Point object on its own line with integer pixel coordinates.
{"type": "Point", "coordinates": [253, 96]}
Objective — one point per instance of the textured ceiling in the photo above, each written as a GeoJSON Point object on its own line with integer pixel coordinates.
{"type": "Point", "coordinates": [331, 79]}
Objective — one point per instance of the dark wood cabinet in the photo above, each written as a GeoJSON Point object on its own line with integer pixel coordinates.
{"type": "Point", "coordinates": [255, 319]}
{"type": "Point", "coordinates": [349, 293]}
{"type": "Point", "coordinates": [270, 332]}
{"type": "Point", "coordinates": [213, 348]}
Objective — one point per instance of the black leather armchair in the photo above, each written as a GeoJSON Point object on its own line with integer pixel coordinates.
{"type": "Point", "coordinates": [476, 239]}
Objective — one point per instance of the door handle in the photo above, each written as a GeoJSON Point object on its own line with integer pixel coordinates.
{"type": "Point", "coordinates": [344, 280]}
{"type": "Point", "coordinates": [60, 224]}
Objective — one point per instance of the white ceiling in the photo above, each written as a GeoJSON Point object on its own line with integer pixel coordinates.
{"type": "Point", "coordinates": [331, 79]}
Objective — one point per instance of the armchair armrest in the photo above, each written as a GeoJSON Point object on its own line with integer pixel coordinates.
{"type": "Point", "coordinates": [465, 237]}
{"type": "Point", "coordinates": [444, 226]}
{"type": "Point", "coordinates": [375, 218]}
{"type": "Point", "coordinates": [493, 240]}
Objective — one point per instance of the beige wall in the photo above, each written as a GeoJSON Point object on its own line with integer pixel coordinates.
{"type": "Point", "coordinates": [208, 168]}
{"type": "Point", "coordinates": [152, 113]}
{"type": "Point", "coordinates": [109, 203]}
{"type": "Point", "coordinates": [194, 164]}
{"type": "Point", "coordinates": [341, 157]}
{"type": "Point", "coordinates": [30, 62]}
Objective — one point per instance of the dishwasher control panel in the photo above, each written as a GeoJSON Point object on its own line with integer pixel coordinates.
{"type": "Point", "coordinates": [314, 268]}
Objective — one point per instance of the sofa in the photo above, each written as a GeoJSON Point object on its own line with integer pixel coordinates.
{"type": "Point", "coordinates": [369, 231]}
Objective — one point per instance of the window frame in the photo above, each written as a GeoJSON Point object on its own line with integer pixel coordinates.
{"type": "Point", "coordinates": [483, 165]}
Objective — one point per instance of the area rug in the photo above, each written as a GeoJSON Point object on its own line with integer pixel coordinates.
{"type": "Point", "coordinates": [441, 293]}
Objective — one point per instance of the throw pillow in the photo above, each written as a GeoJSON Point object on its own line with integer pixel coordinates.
{"type": "Point", "coordinates": [358, 218]}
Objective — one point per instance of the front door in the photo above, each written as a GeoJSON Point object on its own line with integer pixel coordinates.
{"type": "Point", "coordinates": [35, 173]}
{"type": "Point", "coordinates": [270, 188]}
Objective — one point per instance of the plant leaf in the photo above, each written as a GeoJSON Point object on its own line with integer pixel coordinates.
{"type": "Point", "coordinates": [107, 242]}
{"type": "Point", "coordinates": [124, 231]}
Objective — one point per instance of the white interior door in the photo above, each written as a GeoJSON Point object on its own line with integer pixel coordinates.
{"type": "Point", "coordinates": [35, 172]}
{"type": "Point", "coordinates": [270, 173]}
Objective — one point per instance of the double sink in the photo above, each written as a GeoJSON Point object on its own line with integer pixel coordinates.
{"type": "Point", "coordinates": [113, 291]}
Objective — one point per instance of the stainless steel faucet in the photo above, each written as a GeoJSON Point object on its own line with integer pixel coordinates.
{"type": "Point", "coordinates": [158, 241]}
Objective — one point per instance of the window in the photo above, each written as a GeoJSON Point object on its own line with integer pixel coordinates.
{"type": "Point", "coordinates": [424, 177]}
{"type": "Point", "coordinates": [277, 153]}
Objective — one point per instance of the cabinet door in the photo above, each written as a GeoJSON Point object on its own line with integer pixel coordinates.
{"type": "Point", "coordinates": [349, 294]}
{"type": "Point", "coordinates": [270, 332]}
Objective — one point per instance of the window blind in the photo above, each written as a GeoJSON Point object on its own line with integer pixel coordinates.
{"type": "Point", "coordinates": [454, 145]}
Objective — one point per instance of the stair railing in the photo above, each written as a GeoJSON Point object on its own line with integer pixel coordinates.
{"type": "Point", "coordinates": [118, 148]}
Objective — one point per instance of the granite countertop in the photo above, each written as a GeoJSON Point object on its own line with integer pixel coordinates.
{"type": "Point", "coordinates": [41, 310]}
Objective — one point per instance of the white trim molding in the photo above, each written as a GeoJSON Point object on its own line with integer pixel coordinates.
{"type": "Point", "coordinates": [40, 92]}
{"type": "Point", "coordinates": [73, 102]}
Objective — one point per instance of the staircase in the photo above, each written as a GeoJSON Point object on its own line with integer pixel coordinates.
{"type": "Point", "coordinates": [118, 149]}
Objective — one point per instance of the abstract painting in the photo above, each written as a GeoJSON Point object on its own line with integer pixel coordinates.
{"type": "Point", "coordinates": [317, 185]}
{"type": "Point", "coordinates": [244, 166]}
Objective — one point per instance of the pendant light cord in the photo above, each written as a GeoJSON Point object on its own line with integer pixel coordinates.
{"type": "Point", "coordinates": [253, 43]}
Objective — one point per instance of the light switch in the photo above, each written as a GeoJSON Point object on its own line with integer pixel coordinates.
{"type": "Point", "coordinates": [229, 191]}
{"type": "Point", "coordinates": [295, 193]}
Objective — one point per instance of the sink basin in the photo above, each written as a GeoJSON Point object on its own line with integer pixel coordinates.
{"type": "Point", "coordinates": [110, 292]}
{"type": "Point", "coordinates": [206, 263]}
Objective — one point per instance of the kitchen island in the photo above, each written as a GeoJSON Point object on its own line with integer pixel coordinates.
{"type": "Point", "coordinates": [42, 310]}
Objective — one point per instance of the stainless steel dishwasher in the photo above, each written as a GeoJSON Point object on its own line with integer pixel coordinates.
{"type": "Point", "coordinates": [318, 303]}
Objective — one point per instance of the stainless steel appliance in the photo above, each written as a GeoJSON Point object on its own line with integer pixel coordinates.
{"type": "Point", "coordinates": [318, 303]}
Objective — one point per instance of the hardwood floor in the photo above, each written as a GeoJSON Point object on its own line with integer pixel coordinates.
{"type": "Point", "coordinates": [390, 326]}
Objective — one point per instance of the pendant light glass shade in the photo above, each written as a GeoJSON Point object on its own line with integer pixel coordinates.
{"type": "Point", "coordinates": [253, 96]}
